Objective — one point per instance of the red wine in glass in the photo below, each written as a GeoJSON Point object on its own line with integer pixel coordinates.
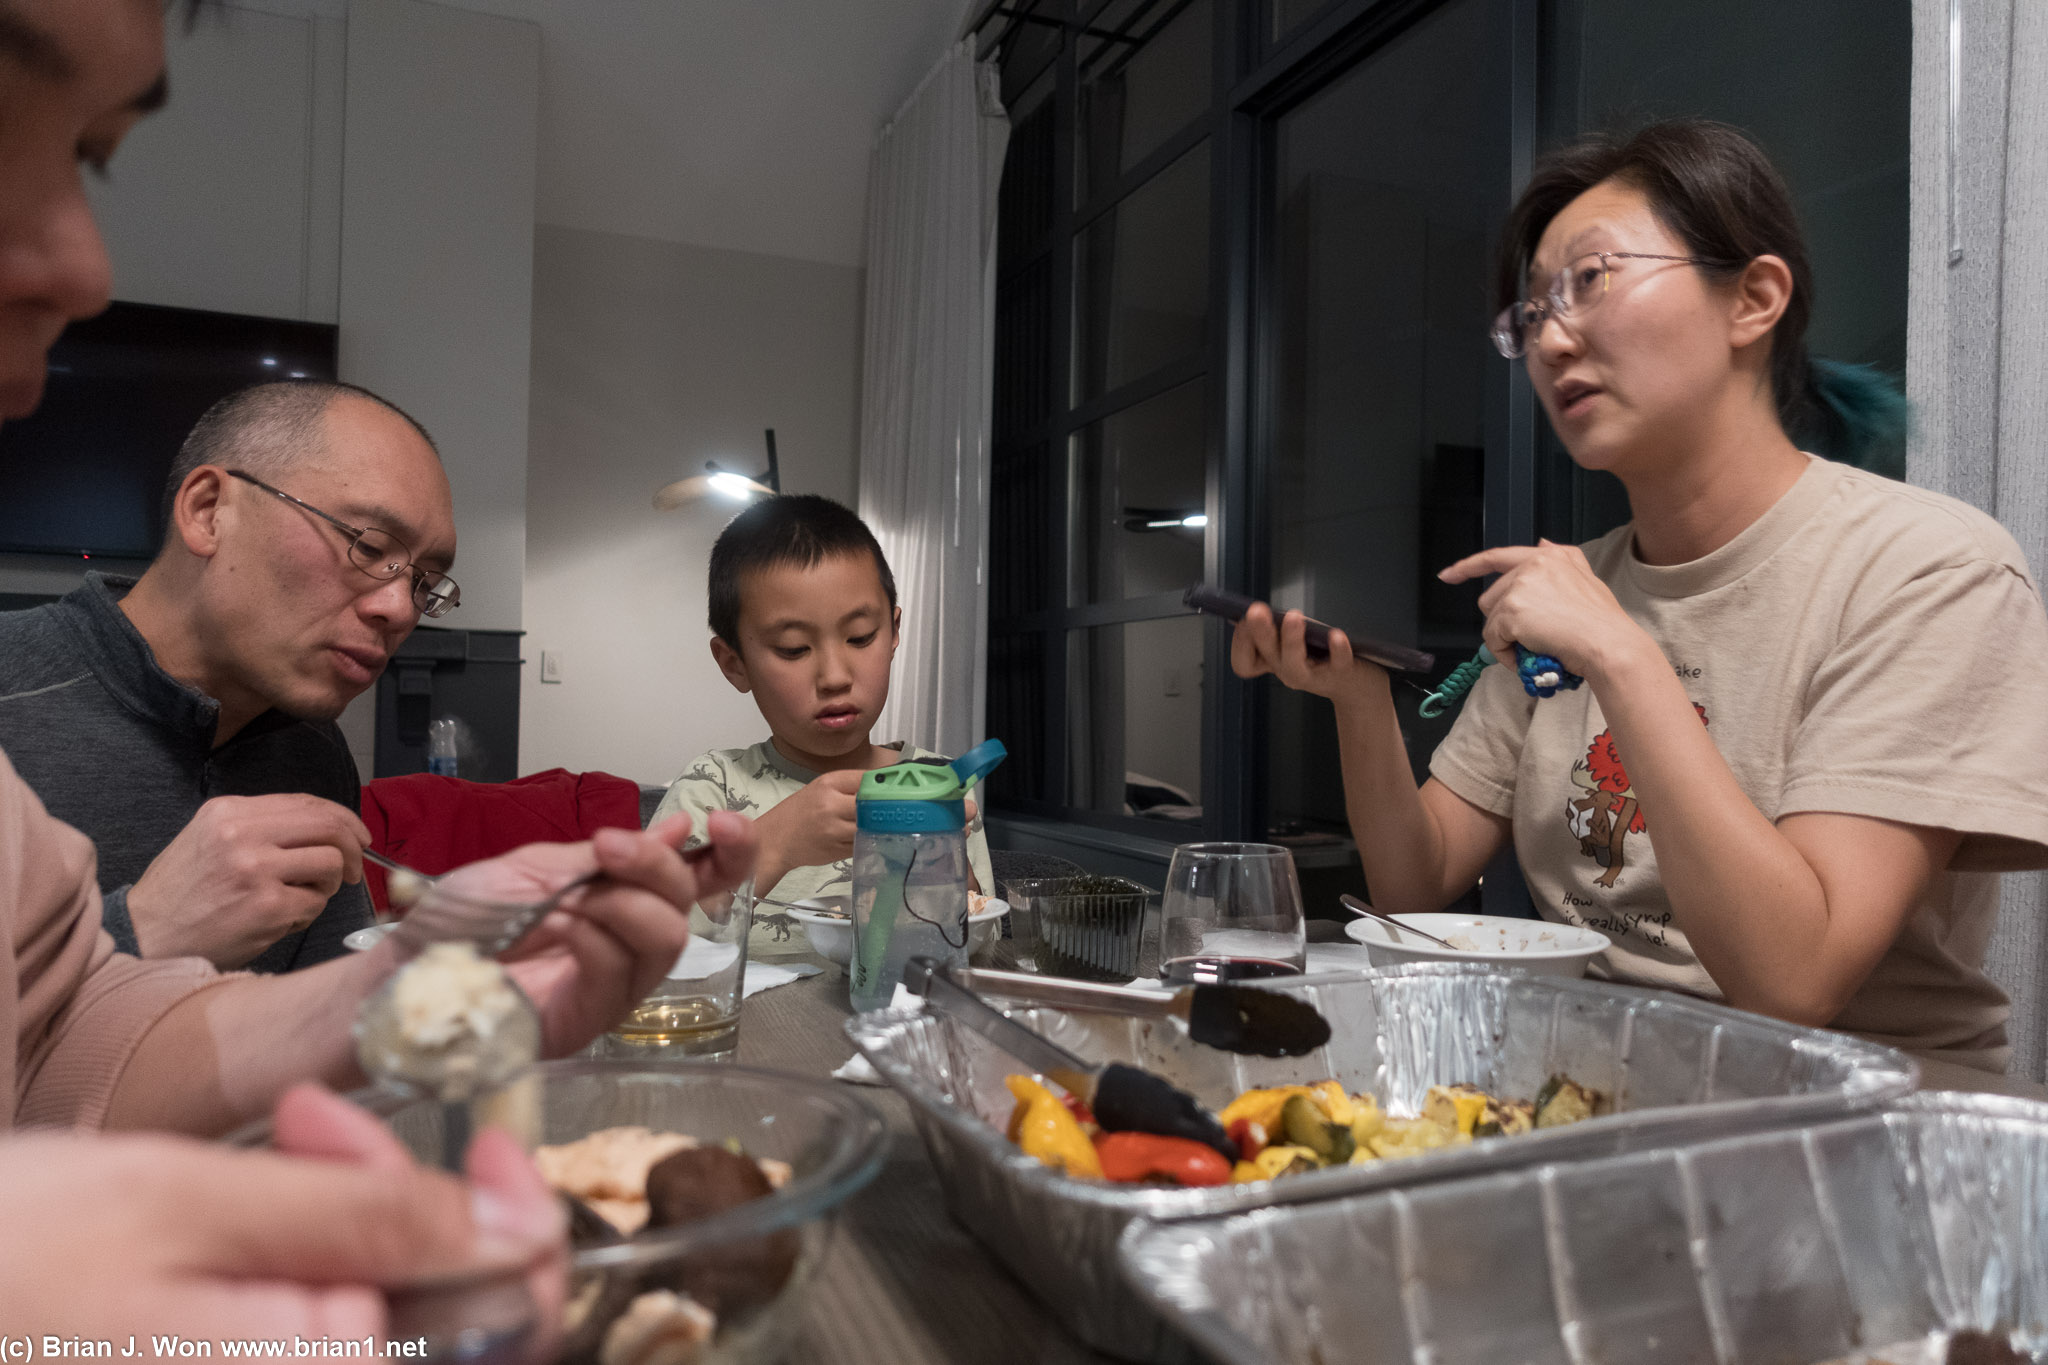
{"type": "Point", "coordinates": [1213, 969]}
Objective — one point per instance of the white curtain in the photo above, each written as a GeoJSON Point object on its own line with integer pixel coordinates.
{"type": "Point", "coordinates": [925, 391]}
{"type": "Point", "coordinates": [1977, 345]}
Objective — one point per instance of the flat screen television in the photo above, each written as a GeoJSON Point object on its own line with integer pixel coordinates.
{"type": "Point", "coordinates": [85, 474]}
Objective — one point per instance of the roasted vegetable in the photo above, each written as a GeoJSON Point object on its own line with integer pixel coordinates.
{"type": "Point", "coordinates": [1043, 1126]}
{"type": "Point", "coordinates": [1275, 1162]}
{"type": "Point", "coordinates": [1290, 1129]}
{"type": "Point", "coordinates": [1563, 1100]}
{"type": "Point", "coordinates": [1131, 1157]}
{"type": "Point", "coordinates": [1505, 1118]}
{"type": "Point", "coordinates": [1261, 1107]}
{"type": "Point", "coordinates": [1305, 1125]}
{"type": "Point", "coordinates": [1412, 1137]}
{"type": "Point", "coordinates": [1456, 1107]}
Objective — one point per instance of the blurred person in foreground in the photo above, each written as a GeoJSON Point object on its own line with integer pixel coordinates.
{"type": "Point", "coordinates": [111, 1236]}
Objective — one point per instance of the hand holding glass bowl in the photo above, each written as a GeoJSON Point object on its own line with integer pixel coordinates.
{"type": "Point", "coordinates": [1230, 912]}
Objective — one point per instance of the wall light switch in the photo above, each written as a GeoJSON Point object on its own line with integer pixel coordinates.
{"type": "Point", "coordinates": [550, 666]}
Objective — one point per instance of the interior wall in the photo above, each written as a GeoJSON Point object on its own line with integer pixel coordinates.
{"type": "Point", "coordinates": [437, 261]}
{"type": "Point", "coordinates": [649, 358]}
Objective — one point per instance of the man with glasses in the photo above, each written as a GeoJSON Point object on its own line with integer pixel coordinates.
{"type": "Point", "coordinates": [185, 720]}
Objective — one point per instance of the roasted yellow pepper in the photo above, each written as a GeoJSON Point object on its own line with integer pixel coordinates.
{"type": "Point", "coordinates": [1262, 1106]}
{"type": "Point", "coordinates": [1277, 1160]}
{"type": "Point", "coordinates": [1337, 1106]}
{"type": "Point", "coordinates": [1043, 1127]}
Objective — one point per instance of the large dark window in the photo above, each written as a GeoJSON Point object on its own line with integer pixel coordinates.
{"type": "Point", "coordinates": [1243, 288]}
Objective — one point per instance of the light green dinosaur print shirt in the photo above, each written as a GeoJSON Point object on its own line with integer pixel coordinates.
{"type": "Point", "coordinates": [755, 779]}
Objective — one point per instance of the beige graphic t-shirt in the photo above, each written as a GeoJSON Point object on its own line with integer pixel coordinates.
{"type": "Point", "coordinates": [753, 780]}
{"type": "Point", "coordinates": [1865, 647]}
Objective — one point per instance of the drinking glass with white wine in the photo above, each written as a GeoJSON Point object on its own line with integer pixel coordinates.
{"type": "Point", "coordinates": [695, 1012]}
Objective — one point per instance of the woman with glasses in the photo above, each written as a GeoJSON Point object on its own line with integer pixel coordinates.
{"type": "Point", "coordinates": [1815, 721]}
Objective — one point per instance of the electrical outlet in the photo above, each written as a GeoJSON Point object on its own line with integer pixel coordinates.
{"type": "Point", "coordinates": [550, 666]}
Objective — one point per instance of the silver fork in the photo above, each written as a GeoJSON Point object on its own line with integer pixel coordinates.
{"type": "Point", "coordinates": [439, 916]}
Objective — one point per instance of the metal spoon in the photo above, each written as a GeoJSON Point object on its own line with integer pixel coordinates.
{"type": "Point", "coordinates": [1359, 907]}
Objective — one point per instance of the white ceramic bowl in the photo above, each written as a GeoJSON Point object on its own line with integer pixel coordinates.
{"type": "Point", "coordinates": [1534, 945]}
{"type": "Point", "coordinates": [831, 936]}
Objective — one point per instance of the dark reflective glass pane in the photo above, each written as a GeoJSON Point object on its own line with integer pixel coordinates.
{"type": "Point", "coordinates": [1027, 200]}
{"type": "Point", "coordinates": [1144, 75]}
{"type": "Point", "coordinates": [1390, 185]}
{"type": "Point", "coordinates": [1026, 494]}
{"type": "Point", "coordinates": [1016, 715]}
{"type": "Point", "coordinates": [1825, 86]}
{"type": "Point", "coordinates": [1134, 720]}
{"type": "Point", "coordinates": [1025, 384]}
{"type": "Point", "coordinates": [1031, 42]}
{"type": "Point", "coordinates": [1141, 279]}
{"type": "Point", "coordinates": [1139, 478]}
{"type": "Point", "coordinates": [1285, 16]}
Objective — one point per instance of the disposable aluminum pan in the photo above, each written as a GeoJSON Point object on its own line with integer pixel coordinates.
{"type": "Point", "coordinates": [1678, 1070]}
{"type": "Point", "coordinates": [1800, 1246]}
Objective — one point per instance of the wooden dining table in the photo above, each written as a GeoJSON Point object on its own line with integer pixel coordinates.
{"type": "Point", "coordinates": [902, 1283]}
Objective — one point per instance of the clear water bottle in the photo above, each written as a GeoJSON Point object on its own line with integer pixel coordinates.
{"type": "Point", "coordinates": [910, 869]}
{"type": "Point", "coordinates": [441, 746]}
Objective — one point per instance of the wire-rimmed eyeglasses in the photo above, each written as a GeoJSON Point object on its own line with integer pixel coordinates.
{"type": "Point", "coordinates": [379, 554]}
{"type": "Point", "coordinates": [1573, 291]}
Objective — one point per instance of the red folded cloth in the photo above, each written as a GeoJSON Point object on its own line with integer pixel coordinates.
{"type": "Point", "coordinates": [434, 824]}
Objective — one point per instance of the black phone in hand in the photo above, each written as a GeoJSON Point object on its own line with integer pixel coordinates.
{"type": "Point", "coordinates": [1232, 606]}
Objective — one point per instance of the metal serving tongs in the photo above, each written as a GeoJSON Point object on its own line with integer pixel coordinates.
{"type": "Point", "coordinates": [1233, 1018]}
{"type": "Point", "coordinates": [1123, 1098]}
{"type": "Point", "coordinates": [436, 915]}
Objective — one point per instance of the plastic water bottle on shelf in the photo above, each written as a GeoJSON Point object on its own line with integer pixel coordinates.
{"type": "Point", "coordinates": [441, 746]}
{"type": "Point", "coordinates": [910, 869]}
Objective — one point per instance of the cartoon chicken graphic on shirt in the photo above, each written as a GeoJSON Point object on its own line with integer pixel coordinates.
{"type": "Point", "coordinates": [1606, 812]}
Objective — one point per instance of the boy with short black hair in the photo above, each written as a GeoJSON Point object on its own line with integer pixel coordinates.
{"type": "Point", "coordinates": [803, 619]}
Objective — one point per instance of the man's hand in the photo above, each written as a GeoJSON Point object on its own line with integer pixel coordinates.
{"type": "Point", "coordinates": [598, 955]}
{"type": "Point", "coordinates": [247, 871]}
{"type": "Point", "coordinates": [810, 829]}
{"type": "Point", "coordinates": [109, 1237]}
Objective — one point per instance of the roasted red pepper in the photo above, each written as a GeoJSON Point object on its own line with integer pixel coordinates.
{"type": "Point", "coordinates": [1249, 1137]}
{"type": "Point", "coordinates": [1134, 1157]}
{"type": "Point", "coordinates": [1078, 1107]}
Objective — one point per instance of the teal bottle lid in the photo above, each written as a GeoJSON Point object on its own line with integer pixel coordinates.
{"type": "Point", "coordinates": [924, 798]}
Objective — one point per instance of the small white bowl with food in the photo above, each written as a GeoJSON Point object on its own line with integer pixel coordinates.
{"type": "Point", "coordinates": [1533, 945]}
{"type": "Point", "coordinates": [828, 924]}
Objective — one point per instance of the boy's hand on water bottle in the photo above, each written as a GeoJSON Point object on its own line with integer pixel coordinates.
{"type": "Point", "coordinates": [810, 829]}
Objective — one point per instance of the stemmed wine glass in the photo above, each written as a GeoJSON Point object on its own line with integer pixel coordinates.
{"type": "Point", "coordinates": [1230, 911]}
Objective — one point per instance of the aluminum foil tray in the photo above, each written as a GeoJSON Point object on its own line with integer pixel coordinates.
{"type": "Point", "coordinates": [1815, 1244]}
{"type": "Point", "coordinates": [1679, 1070]}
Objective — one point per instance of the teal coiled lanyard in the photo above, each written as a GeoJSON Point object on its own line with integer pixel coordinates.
{"type": "Point", "coordinates": [1542, 676]}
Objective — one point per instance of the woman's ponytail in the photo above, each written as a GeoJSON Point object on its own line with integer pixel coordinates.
{"type": "Point", "coordinates": [1854, 414]}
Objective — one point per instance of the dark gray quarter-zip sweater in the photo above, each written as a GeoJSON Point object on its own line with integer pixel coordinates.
{"type": "Point", "coordinates": [123, 751]}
